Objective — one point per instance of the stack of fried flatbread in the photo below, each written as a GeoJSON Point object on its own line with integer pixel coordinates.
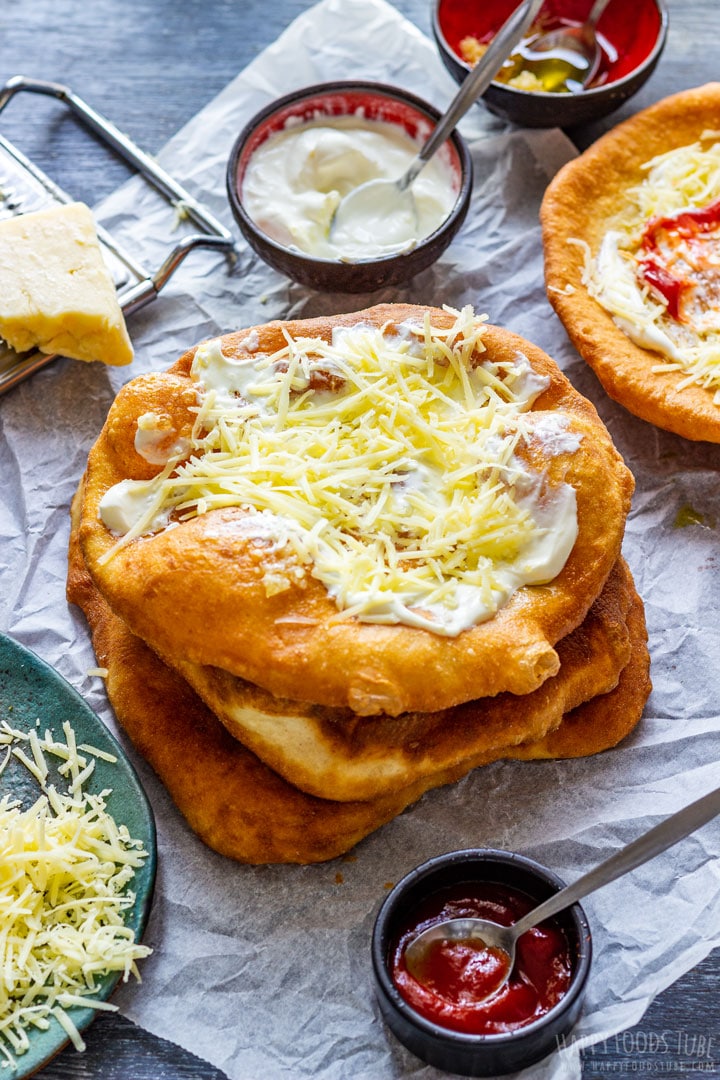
{"type": "Point", "coordinates": [285, 733]}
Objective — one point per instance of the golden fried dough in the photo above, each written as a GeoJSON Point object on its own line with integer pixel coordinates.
{"type": "Point", "coordinates": [334, 754]}
{"type": "Point", "coordinates": [581, 204]}
{"type": "Point", "coordinates": [240, 807]}
{"type": "Point", "coordinates": [603, 721]}
{"type": "Point", "coordinates": [196, 592]}
{"type": "Point", "coordinates": [237, 806]}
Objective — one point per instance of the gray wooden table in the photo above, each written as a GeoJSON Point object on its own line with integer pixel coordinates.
{"type": "Point", "coordinates": [150, 65]}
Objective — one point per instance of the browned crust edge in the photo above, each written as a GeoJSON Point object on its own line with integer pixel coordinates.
{"type": "Point", "coordinates": [234, 802]}
{"type": "Point", "coordinates": [583, 196]}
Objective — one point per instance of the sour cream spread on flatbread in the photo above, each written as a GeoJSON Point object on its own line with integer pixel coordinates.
{"type": "Point", "coordinates": [657, 270]}
{"type": "Point", "coordinates": [387, 463]}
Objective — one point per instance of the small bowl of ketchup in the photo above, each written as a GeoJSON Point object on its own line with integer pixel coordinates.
{"type": "Point", "coordinates": [631, 36]}
{"type": "Point", "coordinates": [447, 1020]}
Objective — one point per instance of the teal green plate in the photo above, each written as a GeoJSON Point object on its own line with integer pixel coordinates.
{"type": "Point", "coordinates": [30, 688]}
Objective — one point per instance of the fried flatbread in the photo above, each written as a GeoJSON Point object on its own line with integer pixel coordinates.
{"type": "Point", "coordinates": [580, 205]}
{"type": "Point", "coordinates": [196, 592]}
{"type": "Point", "coordinates": [605, 720]}
{"type": "Point", "coordinates": [334, 754]}
{"type": "Point", "coordinates": [240, 807]}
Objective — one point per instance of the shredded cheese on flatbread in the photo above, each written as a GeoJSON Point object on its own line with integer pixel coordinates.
{"type": "Point", "coordinates": [65, 865]}
{"type": "Point", "coordinates": [681, 179]}
{"type": "Point", "coordinates": [383, 462]}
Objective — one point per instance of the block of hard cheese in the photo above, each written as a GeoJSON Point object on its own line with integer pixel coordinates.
{"type": "Point", "coordinates": [56, 293]}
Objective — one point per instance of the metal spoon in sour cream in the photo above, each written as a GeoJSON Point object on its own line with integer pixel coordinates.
{"type": "Point", "coordinates": [298, 176]}
{"type": "Point", "coordinates": [388, 207]}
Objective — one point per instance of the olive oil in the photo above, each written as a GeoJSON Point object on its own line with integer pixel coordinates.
{"type": "Point", "coordinates": [688, 515]}
{"type": "Point", "coordinates": [557, 71]}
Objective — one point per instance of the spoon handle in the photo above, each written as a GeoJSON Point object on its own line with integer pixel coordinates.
{"type": "Point", "coordinates": [646, 847]}
{"type": "Point", "coordinates": [597, 10]}
{"type": "Point", "coordinates": [476, 83]}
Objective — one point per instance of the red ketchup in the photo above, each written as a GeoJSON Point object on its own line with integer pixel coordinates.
{"type": "Point", "coordinates": [457, 976]}
{"type": "Point", "coordinates": [689, 227]}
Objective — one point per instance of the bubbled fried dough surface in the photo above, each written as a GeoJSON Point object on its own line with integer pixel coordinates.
{"type": "Point", "coordinates": [605, 720]}
{"type": "Point", "coordinates": [195, 592]}
{"type": "Point", "coordinates": [579, 203]}
{"type": "Point", "coordinates": [335, 754]}
{"type": "Point", "coordinates": [235, 803]}
{"type": "Point", "coordinates": [237, 806]}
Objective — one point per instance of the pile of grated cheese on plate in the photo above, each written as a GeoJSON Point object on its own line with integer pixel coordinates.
{"type": "Point", "coordinates": [65, 865]}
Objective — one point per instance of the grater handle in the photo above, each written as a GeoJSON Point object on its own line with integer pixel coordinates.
{"type": "Point", "coordinates": [139, 295]}
{"type": "Point", "coordinates": [213, 234]}
{"type": "Point", "coordinates": [124, 146]}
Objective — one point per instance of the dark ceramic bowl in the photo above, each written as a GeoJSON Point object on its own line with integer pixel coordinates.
{"type": "Point", "coordinates": [454, 1051]}
{"type": "Point", "coordinates": [633, 35]}
{"type": "Point", "coordinates": [375, 102]}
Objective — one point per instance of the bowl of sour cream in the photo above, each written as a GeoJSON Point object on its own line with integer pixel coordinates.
{"type": "Point", "coordinates": [294, 162]}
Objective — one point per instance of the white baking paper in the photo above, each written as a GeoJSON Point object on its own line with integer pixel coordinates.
{"type": "Point", "coordinates": [265, 972]}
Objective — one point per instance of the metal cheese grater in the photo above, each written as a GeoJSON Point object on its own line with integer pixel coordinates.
{"type": "Point", "coordinates": [25, 188]}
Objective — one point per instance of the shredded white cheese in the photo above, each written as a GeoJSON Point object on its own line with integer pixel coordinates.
{"type": "Point", "coordinates": [65, 865]}
{"type": "Point", "coordinates": [383, 463]}
{"type": "Point", "coordinates": [679, 180]}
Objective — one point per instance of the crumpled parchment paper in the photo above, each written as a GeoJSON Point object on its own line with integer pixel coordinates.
{"type": "Point", "coordinates": [265, 971]}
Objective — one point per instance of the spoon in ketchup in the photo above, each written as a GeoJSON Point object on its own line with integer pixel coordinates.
{"type": "Point", "coordinates": [387, 207]}
{"type": "Point", "coordinates": [500, 941]}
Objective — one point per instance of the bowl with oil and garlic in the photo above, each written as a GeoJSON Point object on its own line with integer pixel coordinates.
{"type": "Point", "coordinates": [543, 89]}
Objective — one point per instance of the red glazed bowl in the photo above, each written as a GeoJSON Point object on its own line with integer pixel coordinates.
{"type": "Point", "coordinates": [374, 101]}
{"type": "Point", "coordinates": [633, 35]}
